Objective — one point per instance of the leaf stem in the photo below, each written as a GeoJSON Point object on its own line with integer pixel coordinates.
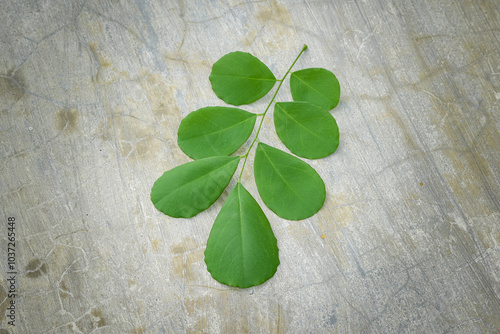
{"type": "Point", "coordinates": [265, 112]}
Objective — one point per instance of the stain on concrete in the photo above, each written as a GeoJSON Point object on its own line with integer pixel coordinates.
{"type": "Point", "coordinates": [129, 131]}
{"type": "Point", "coordinates": [161, 97]}
{"type": "Point", "coordinates": [250, 37]}
{"type": "Point", "coordinates": [186, 245]}
{"type": "Point", "coordinates": [95, 48]}
{"type": "Point", "coordinates": [277, 18]}
{"type": "Point", "coordinates": [138, 330]}
{"type": "Point", "coordinates": [107, 73]}
{"type": "Point", "coordinates": [91, 23]}
{"type": "Point", "coordinates": [264, 14]}
{"type": "Point", "coordinates": [342, 207]}
{"type": "Point", "coordinates": [280, 322]}
{"type": "Point", "coordinates": [139, 135]}
{"type": "Point", "coordinates": [299, 233]}
{"type": "Point", "coordinates": [104, 62]}
{"type": "Point", "coordinates": [344, 215]}
{"type": "Point", "coordinates": [93, 320]}
{"type": "Point", "coordinates": [97, 318]}
{"type": "Point", "coordinates": [194, 307]}
{"type": "Point", "coordinates": [147, 149]}
{"type": "Point", "coordinates": [273, 11]}
{"type": "Point", "coordinates": [186, 255]}
{"type": "Point", "coordinates": [155, 244]}
{"type": "Point", "coordinates": [67, 120]}
{"type": "Point", "coordinates": [63, 290]}
{"type": "Point", "coordinates": [136, 138]}
{"type": "Point", "coordinates": [35, 268]}
{"type": "Point", "coordinates": [125, 148]}
{"type": "Point", "coordinates": [10, 93]}
{"type": "Point", "coordinates": [184, 265]}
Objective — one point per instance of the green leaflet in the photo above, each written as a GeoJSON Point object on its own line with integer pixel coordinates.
{"type": "Point", "coordinates": [240, 78]}
{"type": "Point", "coordinates": [317, 86]}
{"type": "Point", "coordinates": [212, 131]}
{"type": "Point", "coordinates": [188, 189]}
{"type": "Point", "coordinates": [242, 250]}
{"type": "Point", "coordinates": [287, 185]}
{"type": "Point", "coordinates": [306, 129]}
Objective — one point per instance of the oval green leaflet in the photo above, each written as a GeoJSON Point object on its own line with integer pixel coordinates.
{"type": "Point", "coordinates": [240, 78]}
{"type": "Point", "coordinates": [306, 129]}
{"type": "Point", "coordinates": [212, 131]}
{"type": "Point", "coordinates": [188, 189]}
{"type": "Point", "coordinates": [242, 250]}
{"type": "Point", "coordinates": [287, 185]}
{"type": "Point", "coordinates": [317, 86]}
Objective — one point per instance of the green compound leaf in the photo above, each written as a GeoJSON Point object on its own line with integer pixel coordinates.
{"type": "Point", "coordinates": [286, 184]}
{"type": "Point", "coordinates": [317, 86]}
{"type": "Point", "coordinates": [240, 78]}
{"type": "Point", "coordinates": [212, 131]}
{"type": "Point", "coordinates": [242, 250]}
{"type": "Point", "coordinates": [306, 129]}
{"type": "Point", "coordinates": [188, 189]}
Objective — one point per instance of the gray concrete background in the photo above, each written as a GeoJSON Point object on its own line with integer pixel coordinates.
{"type": "Point", "coordinates": [92, 93]}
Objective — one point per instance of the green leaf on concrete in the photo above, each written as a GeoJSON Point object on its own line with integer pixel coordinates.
{"type": "Point", "coordinates": [306, 129]}
{"type": "Point", "coordinates": [212, 131]}
{"type": "Point", "coordinates": [188, 189]}
{"type": "Point", "coordinates": [242, 250]}
{"type": "Point", "coordinates": [240, 78]}
{"type": "Point", "coordinates": [287, 185]}
{"type": "Point", "coordinates": [317, 86]}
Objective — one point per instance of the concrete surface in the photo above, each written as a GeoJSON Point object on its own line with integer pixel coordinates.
{"type": "Point", "coordinates": [91, 96]}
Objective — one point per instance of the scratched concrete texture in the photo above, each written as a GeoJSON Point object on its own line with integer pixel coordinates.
{"type": "Point", "coordinates": [91, 96]}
